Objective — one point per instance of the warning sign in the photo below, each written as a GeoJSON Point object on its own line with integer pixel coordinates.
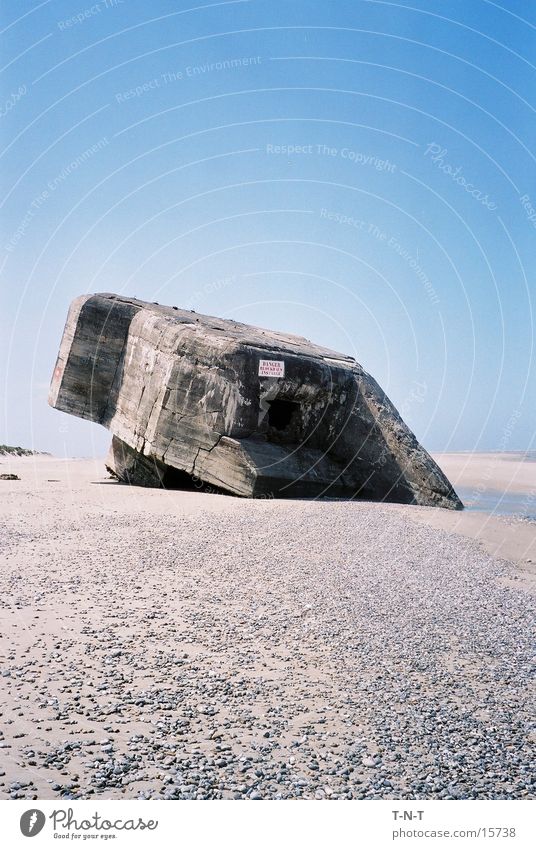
{"type": "Point", "coordinates": [271, 368]}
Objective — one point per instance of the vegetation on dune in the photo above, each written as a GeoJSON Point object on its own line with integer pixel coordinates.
{"type": "Point", "coordinates": [17, 451]}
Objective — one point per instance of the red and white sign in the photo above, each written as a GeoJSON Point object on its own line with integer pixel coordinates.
{"type": "Point", "coordinates": [271, 368]}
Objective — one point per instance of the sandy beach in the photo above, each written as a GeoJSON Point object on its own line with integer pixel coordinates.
{"type": "Point", "coordinates": [505, 484]}
{"type": "Point", "coordinates": [183, 645]}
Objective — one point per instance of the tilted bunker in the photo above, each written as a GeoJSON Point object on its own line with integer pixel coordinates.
{"type": "Point", "coordinates": [249, 411]}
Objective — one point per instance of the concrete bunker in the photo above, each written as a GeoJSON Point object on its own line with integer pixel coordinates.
{"type": "Point", "coordinates": [249, 411]}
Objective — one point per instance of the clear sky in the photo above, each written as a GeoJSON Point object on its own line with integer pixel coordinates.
{"type": "Point", "coordinates": [358, 172]}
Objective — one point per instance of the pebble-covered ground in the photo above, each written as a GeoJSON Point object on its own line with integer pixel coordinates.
{"type": "Point", "coordinates": [262, 651]}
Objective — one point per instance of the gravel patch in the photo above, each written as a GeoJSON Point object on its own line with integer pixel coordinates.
{"type": "Point", "coordinates": [266, 651]}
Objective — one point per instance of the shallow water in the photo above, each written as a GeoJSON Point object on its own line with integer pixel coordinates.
{"type": "Point", "coordinates": [520, 504]}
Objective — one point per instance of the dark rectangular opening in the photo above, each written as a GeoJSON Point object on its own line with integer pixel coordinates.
{"type": "Point", "coordinates": [280, 413]}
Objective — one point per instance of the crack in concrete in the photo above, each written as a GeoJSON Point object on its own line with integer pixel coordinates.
{"type": "Point", "coordinates": [207, 451]}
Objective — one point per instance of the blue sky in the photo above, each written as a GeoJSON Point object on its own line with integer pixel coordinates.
{"type": "Point", "coordinates": [361, 173]}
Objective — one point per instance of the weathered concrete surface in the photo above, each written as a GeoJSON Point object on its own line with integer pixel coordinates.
{"type": "Point", "coordinates": [185, 398]}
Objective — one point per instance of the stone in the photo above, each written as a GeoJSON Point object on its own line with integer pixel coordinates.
{"type": "Point", "coordinates": [198, 401]}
